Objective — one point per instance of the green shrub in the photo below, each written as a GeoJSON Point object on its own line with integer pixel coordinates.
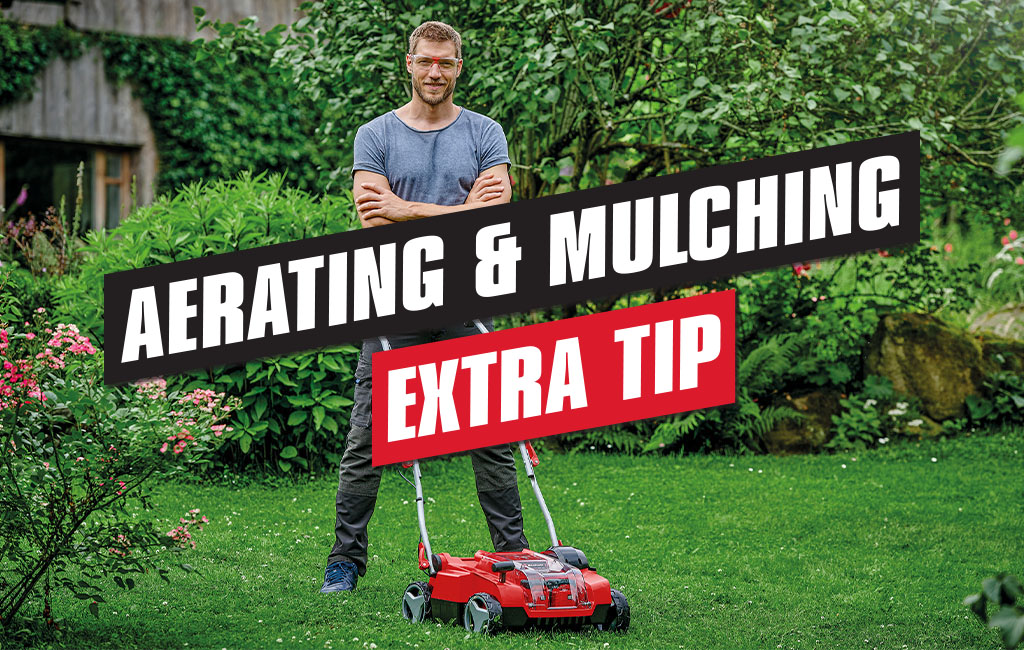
{"type": "Point", "coordinates": [294, 408]}
{"type": "Point", "coordinates": [22, 293]}
{"type": "Point", "coordinates": [1003, 590]}
{"type": "Point", "coordinates": [873, 415]}
{"type": "Point", "coordinates": [1003, 401]}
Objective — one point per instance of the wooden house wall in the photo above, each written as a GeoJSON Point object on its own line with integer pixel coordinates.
{"type": "Point", "coordinates": [171, 18]}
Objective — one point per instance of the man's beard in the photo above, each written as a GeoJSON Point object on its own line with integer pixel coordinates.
{"type": "Point", "coordinates": [433, 100]}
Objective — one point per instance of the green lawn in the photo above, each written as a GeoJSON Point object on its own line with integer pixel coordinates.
{"type": "Point", "coordinates": [872, 550]}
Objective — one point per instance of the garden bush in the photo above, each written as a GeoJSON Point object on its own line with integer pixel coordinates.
{"type": "Point", "coordinates": [77, 461]}
{"type": "Point", "coordinates": [34, 250]}
{"type": "Point", "coordinates": [294, 408]}
{"type": "Point", "coordinates": [1002, 590]}
{"type": "Point", "coordinates": [873, 416]}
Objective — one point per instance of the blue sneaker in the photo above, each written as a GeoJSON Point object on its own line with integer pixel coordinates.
{"type": "Point", "coordinates": [340, 576]}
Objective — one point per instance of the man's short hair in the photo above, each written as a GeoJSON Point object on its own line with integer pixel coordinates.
{"type": "Point", "coordinates": [436, 31]}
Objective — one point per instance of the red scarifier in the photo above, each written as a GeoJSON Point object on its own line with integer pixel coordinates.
{"type": "Point", "coordinates": [512, 589]}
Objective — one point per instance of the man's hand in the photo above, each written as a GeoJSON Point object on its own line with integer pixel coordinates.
{"type": "Point", "coordinates": [378, 206]}
{"type": "Point", "coordinates": [487, 187]}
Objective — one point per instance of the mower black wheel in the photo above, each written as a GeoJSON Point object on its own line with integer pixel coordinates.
{"type": "Point", "coordinates": [482, 614]}
{"type": "Point", "coordinates": [416, 602]}
{"type": "Point", "coordinates": [618, 614]}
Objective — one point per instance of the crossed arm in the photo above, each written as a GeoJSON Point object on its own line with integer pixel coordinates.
{"type": "Point", "coordinates": [379, 206]}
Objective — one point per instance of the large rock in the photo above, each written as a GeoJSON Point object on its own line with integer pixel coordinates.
{"type": "Point", "coordinates": [925, 358]}
{"type": "Point", "coordinates": [809, 433]}
{"type": "Point", "coordinates": [1007, 322]}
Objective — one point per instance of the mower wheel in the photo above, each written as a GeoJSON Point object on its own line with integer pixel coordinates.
{"type": "Point", "coordinates": [416, 602]}
{"type": "Point", "coordinates": [618, 614]}
{"type": "Point", "coordinates": [482, 614]}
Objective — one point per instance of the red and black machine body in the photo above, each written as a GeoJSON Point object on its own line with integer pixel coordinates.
{"type": "Point", "coordinates": [533, 589]}
{"type": "Point", "coordinates": [518, 589]}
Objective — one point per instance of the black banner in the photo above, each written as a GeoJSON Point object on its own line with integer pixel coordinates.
{"type": "Point", "coordinates": [428, 273]}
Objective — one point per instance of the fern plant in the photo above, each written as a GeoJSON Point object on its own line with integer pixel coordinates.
{"type": "Point", "coordinates": [739, 427]}
{"type": "Point", "coordinates": [745, 425]}
{"type": "Point", "coordinates": [670, 431]}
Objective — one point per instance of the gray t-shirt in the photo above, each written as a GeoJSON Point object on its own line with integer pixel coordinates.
{"type": "Point", "coordinates": [437, 166]}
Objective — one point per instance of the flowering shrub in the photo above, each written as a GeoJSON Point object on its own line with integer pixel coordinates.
{"type": "Point", "coordinates": [19, 383]}
{"type": "Point", "coordinates": [77, 458]}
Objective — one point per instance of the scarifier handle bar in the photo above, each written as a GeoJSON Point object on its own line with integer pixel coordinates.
{"type": "Point", "coordinates": [530, 461]}
{"type": "Point", "coordinates": [424, 546]}
{"type": "Point", "coordinates": [420, 514]}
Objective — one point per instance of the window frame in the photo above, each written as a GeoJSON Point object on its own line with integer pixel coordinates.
{"type": "Point", "coordinates": [101, 181]}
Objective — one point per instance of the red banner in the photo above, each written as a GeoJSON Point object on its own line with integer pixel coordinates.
{"type": "Point", "coordinates": [541, 380]}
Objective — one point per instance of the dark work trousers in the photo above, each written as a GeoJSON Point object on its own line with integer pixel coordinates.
{"type": "Point", "coordinates": [358, 479]}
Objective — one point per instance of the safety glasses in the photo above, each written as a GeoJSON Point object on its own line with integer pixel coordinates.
{"type": "Point", "coordinates": [424, 62]}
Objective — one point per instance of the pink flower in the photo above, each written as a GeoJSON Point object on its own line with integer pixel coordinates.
{"type": "Point", "coordinates": [22, 196]}
{"type": "Point", "coordinates": [30, 336]}
{"type": "Point", "coordinates": [948, 248]}
{"type": "Point", "coordinates": [1005, 240]}
{"type": "Point", "coordinates": [1006, 221]}
{"type": "Point", "coordinates": [1013, 234]}
{"type": "Point", "coordinates": [163, 449]}
{"type": "Point", "coordinates": [1019, 260]}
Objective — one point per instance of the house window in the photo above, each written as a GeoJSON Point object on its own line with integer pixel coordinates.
{"type": "Point", "coordinates": [112, 186]}
{"type": "Point", "coordinates": [47, 172]}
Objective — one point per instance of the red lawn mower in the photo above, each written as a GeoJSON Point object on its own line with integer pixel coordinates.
{"type": "Point", "coordinates": [518, 589]}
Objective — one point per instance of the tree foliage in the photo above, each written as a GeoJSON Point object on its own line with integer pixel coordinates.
{"type": "Point", "coordinates": [603, 91]}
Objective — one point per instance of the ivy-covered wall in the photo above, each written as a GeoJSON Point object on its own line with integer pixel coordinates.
{"type": "Point", "coordinates": [210, 121]}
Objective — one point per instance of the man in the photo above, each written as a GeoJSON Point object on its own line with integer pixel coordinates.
{"type": "Point", "coordinates": [426, 158]}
